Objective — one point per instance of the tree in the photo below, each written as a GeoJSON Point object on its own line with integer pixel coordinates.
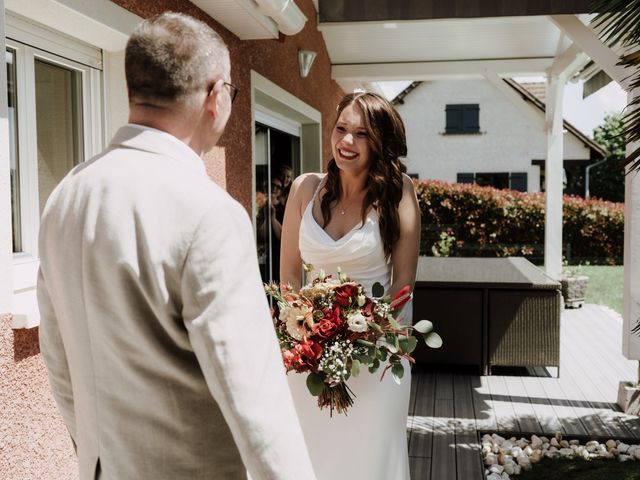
{"type": "Point", "coordinates": [606, 181]}
{"type": "Point", "coordinates": [620, 25]}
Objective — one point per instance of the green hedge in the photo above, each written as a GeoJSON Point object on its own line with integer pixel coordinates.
{"type": "Point", "coordinates": [469, 220]}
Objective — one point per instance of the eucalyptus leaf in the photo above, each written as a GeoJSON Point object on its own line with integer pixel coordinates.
{"type": "Point", "coordinates": [377, 290]}
{"type": "Point", "coordinates": [397, 371]}
{"type": "Point", "coordinates": [408, 344]}
{"type": "Point", "coordinates": [433, 340]}
{"type": "Point", "coordinates": [365, 343]}
{"type": "Point", "coordinates": [374, 326]}
{"type": "Point", "coordinates": [382, 354]}
{"type": "Point", "coordinates": [423, 326]}
{"type": "Point", "coordinates": [315, 384]}
{"type": "Point", "coordinates": [355, 368]}
{"type": "Point", "coordinates": [395, 359]}
{"type": "Point", "coordinates": [374, 366]}
{"type": "Point", "coordinates": [393, 322]}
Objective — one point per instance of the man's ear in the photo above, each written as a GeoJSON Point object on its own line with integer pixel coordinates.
{"type": "Point", "coordinates": [212, 102]}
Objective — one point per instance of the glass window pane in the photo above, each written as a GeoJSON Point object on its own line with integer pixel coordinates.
{"type": "Point", "coordinates": [13, 150]}
{"type": "Point", "coordinates": [59, 124]}
{"type": "Point", "coordinates": [262, 201]}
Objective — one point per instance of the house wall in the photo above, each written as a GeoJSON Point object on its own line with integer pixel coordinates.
{"type": "Point", "coordinates": [33, 440]}
{"type": "Point", "coordinates": [507, 143]}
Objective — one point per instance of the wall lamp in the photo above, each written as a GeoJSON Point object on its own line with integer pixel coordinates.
{"type": "Point", "coordinates": [305, 60]}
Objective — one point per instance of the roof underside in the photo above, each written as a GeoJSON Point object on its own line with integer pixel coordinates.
{"type": "Point", "coordinates": [382, 40]}
{"type": "Point", "coordinates": [386, 10]}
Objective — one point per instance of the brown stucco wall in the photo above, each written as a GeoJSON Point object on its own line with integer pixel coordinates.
{"type": "Point", "coordinates": [34, 444]}
{"type": "Point", "coordinates": [277, 60]}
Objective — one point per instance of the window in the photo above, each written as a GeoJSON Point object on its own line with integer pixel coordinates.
{"type": "Point", "coordinates": [277, 164]}
{"type": "Point", "coordinates": [514, 181]}
{"type": "Point", "coordinates": [54, 124]}
{"type": "Point", "coordinates": [13, 151]}
{"type": "Point", "coordinates": [464, 118]}
{"type": "Point", "coordinates": [496, 180]}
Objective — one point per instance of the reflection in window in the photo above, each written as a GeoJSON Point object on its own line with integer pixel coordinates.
{"type": "Point", "coordinates": [58, 124]}
{"type": "Point", "coordinates": [16, 228]}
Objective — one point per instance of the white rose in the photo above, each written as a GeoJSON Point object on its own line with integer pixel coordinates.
{"type": "Point", "coordinates": [357, 323]}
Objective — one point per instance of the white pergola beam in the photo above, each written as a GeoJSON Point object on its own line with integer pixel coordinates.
{"type": "Point", "coordinates": [589, 42]}
{"type": "Point", "coordinates": [533, 115]}
{"type": "Point", "coordinates": [568, 62]}
{"type": "Point", "coordinates": [553, 177]}
{"type": "Point", "coordinates": [420, 71]}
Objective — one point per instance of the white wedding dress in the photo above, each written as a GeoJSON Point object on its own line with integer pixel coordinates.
{"type": "Point", "coordinates": [370, 443]}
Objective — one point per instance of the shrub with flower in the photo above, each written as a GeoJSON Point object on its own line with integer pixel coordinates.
{"type": "Point", "coordinates": [331, 330]}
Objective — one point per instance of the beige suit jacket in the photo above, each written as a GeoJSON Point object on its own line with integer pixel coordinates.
{"type": "Point", "coordinates": [155, 329]}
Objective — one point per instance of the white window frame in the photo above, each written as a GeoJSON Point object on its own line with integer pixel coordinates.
{"type": "Point", "coordinates": [25, 263]}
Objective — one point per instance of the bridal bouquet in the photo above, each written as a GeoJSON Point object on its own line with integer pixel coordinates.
{"type": "Point", "coordinates": [331, 330]}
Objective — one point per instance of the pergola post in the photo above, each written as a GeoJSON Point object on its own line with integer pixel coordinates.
{"type": "Point", "coordinates": [631, 293]}
{"type": "Point", "coordinates": [553, 176]}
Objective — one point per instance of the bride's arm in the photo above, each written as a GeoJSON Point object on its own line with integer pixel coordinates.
{"type": "Point", "coordinates": [404, 256]}
{"type": "Point", "coordinates": [301, 193]}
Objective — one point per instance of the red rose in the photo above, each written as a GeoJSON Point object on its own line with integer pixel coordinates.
{"type": "Point", "coordinates": [367, 310]}
{"type": "Point", "coordinates": [346, 294]}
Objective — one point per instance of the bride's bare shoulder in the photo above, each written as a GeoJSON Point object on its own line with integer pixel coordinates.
{"type": "Point", "coordinates": [305, 185]}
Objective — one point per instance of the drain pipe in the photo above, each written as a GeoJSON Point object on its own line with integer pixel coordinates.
{"type": "Point", "coordinates": [285, 13]}
{"type": "Point", "coordinates": [586, 176]}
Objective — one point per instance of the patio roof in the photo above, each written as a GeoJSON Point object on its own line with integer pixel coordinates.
{"type": "Point", "coordinates": [382, 40]}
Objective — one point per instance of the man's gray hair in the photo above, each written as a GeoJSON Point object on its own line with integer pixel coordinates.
{"type": "Point", "coordinates": [170, 56]}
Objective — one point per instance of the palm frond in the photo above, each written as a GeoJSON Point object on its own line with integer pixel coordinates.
{"type": "Point", "coordinates": [620, 25]}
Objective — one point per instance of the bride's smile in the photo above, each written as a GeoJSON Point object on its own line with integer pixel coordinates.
{"type": "Point", "coordinates": [350, 140]}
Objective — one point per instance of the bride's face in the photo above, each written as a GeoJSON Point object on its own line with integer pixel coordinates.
{"type": "Point", "coordinates": [350, 140]}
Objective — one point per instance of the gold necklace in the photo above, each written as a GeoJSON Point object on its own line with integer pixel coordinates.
{"type": "Point", "coordinates": [343, 209]}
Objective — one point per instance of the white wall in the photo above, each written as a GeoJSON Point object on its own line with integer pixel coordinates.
{"type": "Point", "coordinates": [6, 255]}
{"type": "Point", "coordinates": [116, 99]}
{"type": "Point", "coordinates": [507, 143]}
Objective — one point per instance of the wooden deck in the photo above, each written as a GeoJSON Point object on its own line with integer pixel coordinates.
{"type": "Point", "coordinates": [450, 410]}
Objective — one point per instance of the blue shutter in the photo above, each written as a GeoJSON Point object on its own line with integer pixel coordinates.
{"type": "Point", "coordinates": [518, 181]}
{"type": "Point", "coordinates": [471, 118]}
{"type": "Point", "coordinates": [466, 178]}
{"type": "Point", "coordinates": [454, 119]}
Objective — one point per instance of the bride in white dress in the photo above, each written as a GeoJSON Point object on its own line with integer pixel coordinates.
{"type": "Point", "coordinates": [363, 217]}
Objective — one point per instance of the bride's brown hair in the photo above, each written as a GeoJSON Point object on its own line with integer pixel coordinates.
{"type": "Point", "coordinates": [388, 143]}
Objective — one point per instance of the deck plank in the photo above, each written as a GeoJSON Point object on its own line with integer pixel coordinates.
{"type": "Point", "coordinates": [502, 405]}
{"type": "Point", "coordinates": [420, 444]}
{"type": "Point", "coordinates": [443, 461]}
{"type": "Point", "coordinates": [525, 413]}
{"type": "Point", "coordinates": [468, 458]}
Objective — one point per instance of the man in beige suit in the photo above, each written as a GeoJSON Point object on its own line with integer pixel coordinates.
{"type": "Point", "coordinates": [155, 328]}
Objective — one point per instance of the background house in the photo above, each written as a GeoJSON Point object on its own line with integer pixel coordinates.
{"type": "Point", "coordinates": [467, 131]}
{"type": "Point", "coordinates": [63, 96]}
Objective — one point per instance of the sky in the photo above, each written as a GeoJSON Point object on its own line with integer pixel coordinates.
{"type": "Point", "coordinates": [584, 114]}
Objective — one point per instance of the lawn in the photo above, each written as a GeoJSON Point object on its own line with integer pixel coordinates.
{"type": "Point", "coordinates": [605, 285]}
{"type": "Point", "coordinates": [579, 469]}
